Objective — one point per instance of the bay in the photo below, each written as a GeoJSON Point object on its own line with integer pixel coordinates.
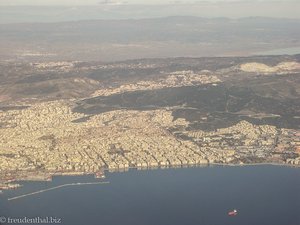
{"type": "Point", "coordinates": [263, 195]}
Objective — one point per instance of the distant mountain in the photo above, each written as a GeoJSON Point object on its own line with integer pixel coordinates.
{"type": "Point", "coordinates": [37, 12]}
{"type": "Point", "coordinates": [109, 40]}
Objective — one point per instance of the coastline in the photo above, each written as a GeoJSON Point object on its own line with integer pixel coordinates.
{"type": "Point", "coordinates": [101, 174]}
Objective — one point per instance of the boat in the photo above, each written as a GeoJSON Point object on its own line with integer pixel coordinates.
{"type": "Point", "coordinates": [100, 175]}
{"type": "Point", "coordinates": [232, 213]}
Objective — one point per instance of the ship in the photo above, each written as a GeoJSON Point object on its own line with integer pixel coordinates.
{"type": "Point", "coordinates": [100, 175]}
{"type": "Point", "coordinates": [232, 213]}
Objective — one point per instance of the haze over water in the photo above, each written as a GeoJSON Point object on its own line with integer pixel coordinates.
{"type": "Point", "coordinates": [263, 195]}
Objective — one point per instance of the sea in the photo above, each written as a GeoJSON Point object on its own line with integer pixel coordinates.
{"type": "Point", "coordinates": [281, 51]}
{"type": "Point", "coordinates": [262, 195]}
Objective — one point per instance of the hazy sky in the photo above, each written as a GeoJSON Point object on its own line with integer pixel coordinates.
{"type": "Point", "coordinates": [71, 10]}
{"type": "Point", "coordinates": [116, 2]}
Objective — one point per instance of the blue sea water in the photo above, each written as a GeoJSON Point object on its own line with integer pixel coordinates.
{"type": "Point", "coordinates": [263, 195]}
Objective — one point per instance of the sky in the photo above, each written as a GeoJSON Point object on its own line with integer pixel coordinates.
{"type": "Point", "coordinates": [119, 2]}
{"type": "Point", "coordinates": [70, 10]}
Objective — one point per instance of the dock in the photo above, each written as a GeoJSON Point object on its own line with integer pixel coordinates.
{"type": "Point", "coordinates": [56, 187]}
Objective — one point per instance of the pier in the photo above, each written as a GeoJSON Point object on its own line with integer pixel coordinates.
{"type": "Point", "coordinates": [56, 187]}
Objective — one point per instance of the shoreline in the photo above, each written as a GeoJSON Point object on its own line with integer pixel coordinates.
{"type": "Point", "coordinates": [101, 174]}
